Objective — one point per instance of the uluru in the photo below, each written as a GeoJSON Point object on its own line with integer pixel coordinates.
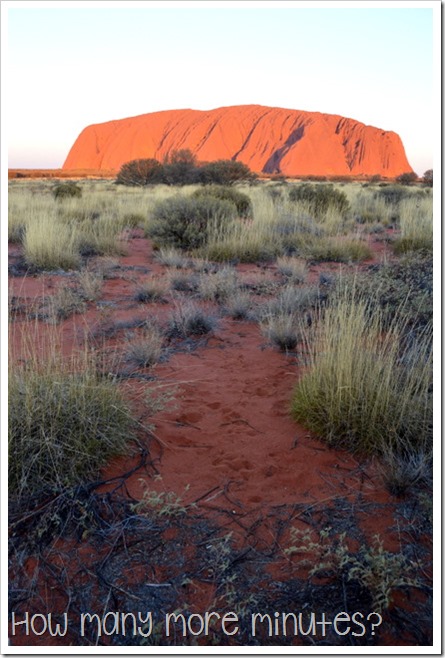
{"type": "Point", "coordinates": [268, 140]}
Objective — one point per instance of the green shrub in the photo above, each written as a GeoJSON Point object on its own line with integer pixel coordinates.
{"type": "Point", "coordinates": [183, 222]}
{"type": "Point", "coordinates": [393, 194]}
{"type": "Point", "coordinates": [67, 191]}
{"type": "Point", "coordinates": [225, 172]}
{"type": "Point", "coordinates": [140, 172]}
{"type": "Point", "coordinates": [428, 178]}
{"type": "Point", "coordinates": [240, 200]}
{"type": "Point", "coordinates": [320, 198]}
{"type": "Point", "coordinates": [407, 178]}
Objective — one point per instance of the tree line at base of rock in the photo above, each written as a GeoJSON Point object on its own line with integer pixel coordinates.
{"type": "Point", "coordinates": [182, 168]}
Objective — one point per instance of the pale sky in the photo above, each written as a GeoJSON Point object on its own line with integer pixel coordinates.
{"type": "Point", "coordinates": [71, 64]}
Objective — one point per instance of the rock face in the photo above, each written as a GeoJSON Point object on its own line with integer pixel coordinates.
{"type": "Point", "coordinates": [269, 140]}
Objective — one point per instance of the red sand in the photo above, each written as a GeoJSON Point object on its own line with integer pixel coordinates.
{"type": "Point", "coordinates": [227, 437]}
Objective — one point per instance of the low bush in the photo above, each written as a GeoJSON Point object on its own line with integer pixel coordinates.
{"type": "Point", "coordinates": [184, 222]}
{"type": "Point", "coordinates": [407, 178]}
{"type": "Point", "coordinates": [320, 198]}
{"type": "Point", "coordinates": [240, 200]}
{"type": "Point", "coordinates": [225, 172]}
{"type": "Point", "coordinates": [67, 191]}
{"type": "Point", "coordinates": [181, 168]}
{"type": "Point", "coordinates": [140, 173]}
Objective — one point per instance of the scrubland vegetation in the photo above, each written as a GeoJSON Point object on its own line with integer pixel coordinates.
{"type": "Point", "coordinates": [361, 332]}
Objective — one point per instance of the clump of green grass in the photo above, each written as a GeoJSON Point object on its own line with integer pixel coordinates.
{"type": "Point", "coordinates": [363, 391]}
{"type": "Point", "coordinates": [293, 269]}
{"type": "Point", "coordinates": [219, 285]}
{"type": "Point", "coordinates": [238, 306]}
{"type": "Point", "coordinates": [90, 284]}
{"type": "Point", "coordinates": [416, 226]}
{"type": "Point", "coordinates": [292, 300]}
{"type": "Point", "coordinates": [172, 258]}
{"type": "Point", "coordinates": [402, 472]}
{"type": "Point", "coordinates": [49, 245]}
{"type": "Point", "coordinates": [188, 319]}
{"type": "Point", "coordinates": [150, 290]}
{"type": "Point", "coordinates": [62, 304]}
{"type": "Point", "coordinates": [338, 250]}
{"type": "Point", "coordinates": [64, 423]}
{"type": "Point", "coordinates": [249, 249]}
{"type": "Point", "coordinates": [147, 349]}
{"type": "Point", "coordinates": [282, 330]}
{"type": "Point", "coordinates": [183, 281]}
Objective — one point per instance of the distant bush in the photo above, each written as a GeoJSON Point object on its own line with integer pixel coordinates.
{"type": "Point", "coordinates": [392, 194]}
{"type": "Point", "coordinates": [428, 178]}
{"type": "Point", "coordinates": [225, 172]}
{"type": "Point", "coordinates": [181, 168]}
{"type": "Point", "coordinates": [67, 190]}
{"type": "Point", "coordinates": [183, 222]}
{"type": "Point", "coordinates": [320, 198]}
{"type": "Point", "coordinates": [241, 201]}
{"type": "Point", "coordinates": [407, 178]}
{"type": "Point", "coordinates": [140, 172]}
{"type": "Point", "coordinates": [314, 178]}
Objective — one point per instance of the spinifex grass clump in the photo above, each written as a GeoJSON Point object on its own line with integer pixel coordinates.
{"type": "Point", "coordinates": [416, 226]}
{"type": "Point", "coordinates": [49, 244]}
{"type": "Point", "coordinates": [64, 423]}
{"type": "Point", "coordinates": [363, 390]}
{"type": "Point", "coordinates": [338, 249]}
{"type": "Point", "coordinates": [188, 319]}
{"type": "Point", "coordinates": [282, 330]}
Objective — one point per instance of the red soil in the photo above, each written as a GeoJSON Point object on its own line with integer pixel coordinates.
{"type": "Point", "coordinates": [268, 140]}
{"type": "Point", "coordinates": [227, 439]}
